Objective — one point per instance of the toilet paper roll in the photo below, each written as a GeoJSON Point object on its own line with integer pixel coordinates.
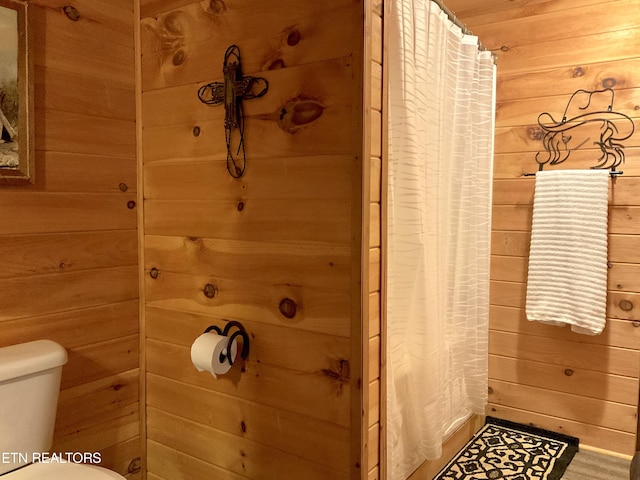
{"type": "Point", "coordinates": [209, 353]}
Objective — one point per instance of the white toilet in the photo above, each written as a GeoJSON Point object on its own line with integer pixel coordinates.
{"type": "Point", "coordinates": [29, 385]}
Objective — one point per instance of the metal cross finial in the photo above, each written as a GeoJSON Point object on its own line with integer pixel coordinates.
{"type": "Point", "coordinates": [231, 92]}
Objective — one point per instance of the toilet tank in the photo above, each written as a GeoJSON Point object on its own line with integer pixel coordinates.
{"type": "Point", "coordinates": [29, 385]}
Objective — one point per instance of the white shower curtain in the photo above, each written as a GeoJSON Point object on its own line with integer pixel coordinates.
{"type": "Point", "coordinates": [441, 110]}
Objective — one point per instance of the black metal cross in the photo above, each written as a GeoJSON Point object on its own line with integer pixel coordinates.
{"type": "Point", "coordinates": [231, 92]}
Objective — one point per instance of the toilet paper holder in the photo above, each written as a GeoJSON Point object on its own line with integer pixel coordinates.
{"type": "Point", "coordinates": [240, 332]}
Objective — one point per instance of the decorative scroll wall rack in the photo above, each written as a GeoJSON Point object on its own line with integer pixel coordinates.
{"type": "Point", "coordinates": [571, 133]}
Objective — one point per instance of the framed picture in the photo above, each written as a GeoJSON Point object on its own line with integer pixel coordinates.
{"type": "Point", "coordinates": [16, 95]}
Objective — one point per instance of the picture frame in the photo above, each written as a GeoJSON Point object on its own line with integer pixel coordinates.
{"type": "Point", "coordinates": [17, 162]}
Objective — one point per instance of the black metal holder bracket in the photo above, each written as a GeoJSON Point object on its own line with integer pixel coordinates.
{"type": "Point", "coordinates": [240, 332]}
{"type": "Point", "coordinates": [569, 134]}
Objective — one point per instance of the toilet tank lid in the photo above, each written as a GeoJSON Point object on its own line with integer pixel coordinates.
{"type": "Point", "coordinates": [31, 357]}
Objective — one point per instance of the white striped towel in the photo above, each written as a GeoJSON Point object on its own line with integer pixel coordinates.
{"type": "Point", "coordinates": [567, 279]}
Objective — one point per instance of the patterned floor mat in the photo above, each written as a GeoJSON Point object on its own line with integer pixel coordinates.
{"type": "Point", "coordinates": [510, 451]}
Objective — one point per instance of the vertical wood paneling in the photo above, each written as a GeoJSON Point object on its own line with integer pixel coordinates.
{"type": "Point", "coordinates": [279, 250]}
{"type": "Point", "coordinates": [542, 375]}
{"type": "Point", "coordinates": [69, 257]}
{"type": "Point", "coordinates": [374, 105]}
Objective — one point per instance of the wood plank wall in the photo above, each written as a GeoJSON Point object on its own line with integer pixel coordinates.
{"type": "Point", "coordinates": [280, 248]}
{"type": "Point", "coordinates": [374, 101]}
{"type": "Point", "coordinates": [547, 376]}
{"type": "Point", "coordinates": [69, 242]}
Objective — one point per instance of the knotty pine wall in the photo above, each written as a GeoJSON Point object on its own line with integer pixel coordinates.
{"type": "Point", "coordinates": [284, 250]}
{"type": "Point", "coordinates": [547, 376]}
{"type": "Point", "coordinates": [69, 242]}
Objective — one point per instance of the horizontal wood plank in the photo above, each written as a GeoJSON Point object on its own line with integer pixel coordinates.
{"type": "Point", "coordinates": [300, 88]}
{"type": "Point", "coordinates": [232, 452]}
{"type": "Point", "coordinates": [562, 25]}
{"type": "Point", "coordinates": [85, 134]}
{"type": "Point", "coordinates": [526, 141]}
{"type": "Point", "coordinates": [110, 15]}
{"type": "Point", "coordinates": [317, 395]}
{"type": "Point", "coordinates": [479, 13]}
{"type": "Point", "coordinates": [177, 46]}
{"type": "Point", "coordinates": [86, 402]}
{"type": "Point", "coordinates": [60, 212]}
{"type": "Point", "coordinates": [282, 221]}
{"type": "Point", "coordinates": [67, 252]}
{"type": "Point", "coordinates": [589, 434]}
{"type": "Point", "coordinates": [89, 95]}
{"type": "Point", "coordinates": [600, 47]}
{"type": "Point", "coordinates": [304, 308]}
{"type": "Point", "coordinates": [173, 464]}
{"type": "Point", "coordinates": [305, 265]}
{"type": "Point", "coordinates": [318, 137]}
{"type": "Point", "coordinates": [74, 328]}
{"type": "Point", "coordinates": [582, 383]}
{"type": "Point", "coordinates": [617, 333]}
{"type": "Point", "coordinates": [526, 111]}
{"type": "Point", "coordinates": [102, 433]}
{"type": "Point", "coordinates": [101, 360]}
{"type": "Point", "coordinates": [288, 432]}
{"type": "Point", "coordinates": [73, 172]}
{"type": "Point", "coordinates": [284, 178]}
{"type": "Point", "coordinates": [575, 355]}
{"type": "Point", "coordinates": [286, 347]}
{"type": "Point", "coordinates": [567, 79]}
{"type": "Point", "coordinates": [82, 289]}
{"type": "Point", "coordinates": [86, 41]}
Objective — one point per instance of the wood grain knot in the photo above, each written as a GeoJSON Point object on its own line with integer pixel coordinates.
{"type": "Point", "coordinates": [196, 131]}
{"type": "Point", "coordinates": [154, 272]}
{"type": "Point", "coordinates": [293, 38]}
{"type": "Point", "coordinates": [490, 390]}
{"type": "Point", "coordinates": [240, 206]}
{"type": "Point", "coordinates": [609, 82]}
{"type": "Point", "coordinates": [178, 58]}
{"type": "Point", "coordinates": [175, 22]}
{"type": "Point", "coordinates": [209, 290]}
{"type": "Point", "coordinates": [288, 308]}
{"type": "Point", "coordinates": [636, 323]}
{"type": "Point", "coordinates": [535, 133]}
{"type": "Point", "coordinates": [131, 204]}
{"type": "Point", "coordinates": [504, 48]}
{"type": "Point", "coordinates": [243, 426]}
{"type": "Point", "coordinates": [625, 305]}
{"type": "Point", "coordinates": [299, 112]}
{"type": "Point", "coordinates": [341, 371]}
{"type": "Point", "coordinates": [217, 7]}
{"type": "Point", "coordinates": [72, 13]}
{"type": "Point", "coordinates": [123, 187]}
{"type": "Point", "coordinates": [276, 64]}
{"type": "Point", "coordinates": [568, 372]}
{"type": "Point", "coordinates": [577, 72]}
{"type": "Point", "coordinates": [135, 465]}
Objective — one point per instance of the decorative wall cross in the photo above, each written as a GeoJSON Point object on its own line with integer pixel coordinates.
{"type": "Point", "coordinates": [231, 92]}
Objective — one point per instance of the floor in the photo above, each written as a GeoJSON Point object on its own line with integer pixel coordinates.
{"type": "Point", "coordinates": [587, 465]}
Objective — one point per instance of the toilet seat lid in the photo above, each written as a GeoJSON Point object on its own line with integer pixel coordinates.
{"type": "Point", "coordinates": [61, 471]}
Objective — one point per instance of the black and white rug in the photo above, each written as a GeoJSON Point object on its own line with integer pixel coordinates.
{"type": "Point", "coordinates": [510, 451]}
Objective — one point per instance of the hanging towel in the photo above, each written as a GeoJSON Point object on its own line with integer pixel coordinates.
{"type": "Point", "coordinates": [567, 279]}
